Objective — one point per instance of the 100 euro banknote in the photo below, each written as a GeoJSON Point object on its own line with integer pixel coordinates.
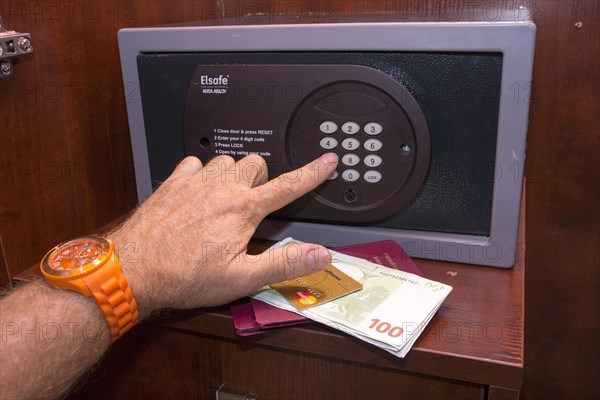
{"type": "Point", "coordinates": [390, 311]}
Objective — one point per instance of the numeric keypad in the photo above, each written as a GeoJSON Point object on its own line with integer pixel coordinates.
{"type": "Point", "coordinates": [353, 143]}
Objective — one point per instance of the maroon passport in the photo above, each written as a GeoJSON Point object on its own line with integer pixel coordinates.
{"type": "Point", "coordinates": [257, 317]}
{"type": "Point", "coordinates": [386, 252]}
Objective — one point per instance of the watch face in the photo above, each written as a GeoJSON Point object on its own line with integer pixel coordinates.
{"type": "Point", "coordinates": [76, 256]}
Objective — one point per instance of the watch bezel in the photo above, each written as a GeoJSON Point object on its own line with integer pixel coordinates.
{"type": "Point", "coordinates": [105, 251]}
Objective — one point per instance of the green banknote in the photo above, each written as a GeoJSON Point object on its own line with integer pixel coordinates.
{"type": "Point", "coordinates": [390, 311]}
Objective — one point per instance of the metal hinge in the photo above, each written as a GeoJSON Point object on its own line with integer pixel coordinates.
{"type": "Point", "coordinates": [221, 393]}
{"type": "Point", "coordinates": [12, 44]}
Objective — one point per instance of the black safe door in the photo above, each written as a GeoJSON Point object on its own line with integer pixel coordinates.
{"type": "Point", "coordinates": [433, 169]}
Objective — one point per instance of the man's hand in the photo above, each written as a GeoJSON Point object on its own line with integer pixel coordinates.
{"type": "Point", "coordinates": [185, 247]}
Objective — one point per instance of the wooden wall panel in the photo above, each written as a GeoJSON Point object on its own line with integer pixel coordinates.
{"type": "Point", "coordinates": [66, 166]}
{"type": "Point", "coordinates": [563, 217]}
{"type": "Point", "coordinates": [66, 163]}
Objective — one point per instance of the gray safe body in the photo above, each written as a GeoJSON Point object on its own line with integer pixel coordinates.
{"type": "Point", "coordinates": [440, 108]}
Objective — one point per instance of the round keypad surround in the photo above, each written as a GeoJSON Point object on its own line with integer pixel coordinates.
{"type": "Point", "coordinates": [373, 175]}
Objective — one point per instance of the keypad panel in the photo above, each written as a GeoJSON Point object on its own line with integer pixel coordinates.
{"type": "Point", "coordinates": [367, 128]}
{"type": "Point", "coordinates": [348, 160]}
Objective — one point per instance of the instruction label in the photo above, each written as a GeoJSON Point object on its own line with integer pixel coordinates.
{"type": "Point", "coordinates": [242, 142]}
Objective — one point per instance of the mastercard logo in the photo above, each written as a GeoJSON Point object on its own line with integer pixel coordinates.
{"type": "Point", "coordinates": [305, 298]}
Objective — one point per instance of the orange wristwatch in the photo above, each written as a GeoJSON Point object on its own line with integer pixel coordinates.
{"type": "Point", "coordinates": [89, 265]}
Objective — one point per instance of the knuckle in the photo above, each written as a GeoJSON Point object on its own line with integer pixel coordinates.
{"type": "Point", "coordinates": [254, 166]}
{"type": "Point", "coordinates": [244, 207]}
{"type": "Point", "coordinates": [191, 159]}
{"type": "Point", "coordinates": [251, 206]}
{"type": "Point", "coordinates": [285, 188]}
{"type": "Point", "coordinates": [222, 159]}
{"type": "Point", "coordinates": [291, 258]}
{"type": "Point", "coordinates": [238, 206]}
{"type": "Point", "coordinates": [256, 159]}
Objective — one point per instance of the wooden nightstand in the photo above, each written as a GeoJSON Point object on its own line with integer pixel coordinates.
{"type": "Point", "coordinates": [471, 349]}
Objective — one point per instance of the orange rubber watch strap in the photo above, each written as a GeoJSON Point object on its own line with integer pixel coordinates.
{"type": "Point", "coordinates": [114, 297]}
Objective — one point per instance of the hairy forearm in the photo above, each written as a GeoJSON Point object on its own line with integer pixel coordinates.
{"type": "Point", "coordinates": [185, 247]}
{"type": "Point", "coordinates": [49, 339]}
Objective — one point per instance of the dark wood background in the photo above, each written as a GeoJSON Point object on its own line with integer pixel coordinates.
{"type": "Point", "coordinates": [66, 166]}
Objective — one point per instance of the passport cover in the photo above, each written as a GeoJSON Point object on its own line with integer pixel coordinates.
{"type": "Point", "coordinates": [266, 316]}
{"type": "Point", "coordinates": [258, 317]}
{"type": "Point", "coordinates": [243, 319]}
{"type": "Point", "coordinates": [386, 252]}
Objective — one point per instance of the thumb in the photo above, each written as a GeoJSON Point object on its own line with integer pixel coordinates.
{"type": "Point", "coordinates": [289, 262]}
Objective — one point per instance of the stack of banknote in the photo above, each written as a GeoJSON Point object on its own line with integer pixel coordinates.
{"type": "Point", "coordinates": [386, 307]}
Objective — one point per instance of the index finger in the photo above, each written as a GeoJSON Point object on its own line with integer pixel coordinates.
{"type": "Point", "coordinates": [290, 186]}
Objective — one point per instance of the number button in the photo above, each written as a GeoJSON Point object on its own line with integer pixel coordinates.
{"type": "Point", "coordinates": [373, 145]}
{"type": "Point", "coordinates": [333, 176]}
{"type": "Point", "coordinates": [350, 128]}
{"type": "Point", "coordinates": [373, 128]}
{"type": "Point", "coordinates": [350, 159]}
{"type": "Point", "coordinates": [372, 176]}
{"type": "Point", "coordinates": [373, 161]}
{"type": "Point", "coordinates": [328, 143]}
{"type": "Point", "coordinates": [350, 144]}
{"type": "Point", "coordinates": [328, 127]}
{"type": "Point", "coordinates": [350, 175]}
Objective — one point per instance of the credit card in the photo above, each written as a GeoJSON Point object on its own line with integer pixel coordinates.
{"type": "Point", "coordinates": [318, 288]}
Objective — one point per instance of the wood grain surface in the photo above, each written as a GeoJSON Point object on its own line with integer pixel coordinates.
{"type": "Point", "coordinates": [196, 363]}
{"type": "Point", "coordinates": [481, 322]}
